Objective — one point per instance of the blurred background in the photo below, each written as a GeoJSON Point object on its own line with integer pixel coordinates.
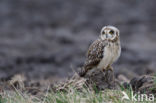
{"type": "Point", "coordinates": [49, 38]}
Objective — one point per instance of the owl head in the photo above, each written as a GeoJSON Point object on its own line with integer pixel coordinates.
{"type": "Point", "coordinates": [109, 33]}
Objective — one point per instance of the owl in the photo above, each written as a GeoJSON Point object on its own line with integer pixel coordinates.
{"type": "Point", "coordinates": [103, 52]}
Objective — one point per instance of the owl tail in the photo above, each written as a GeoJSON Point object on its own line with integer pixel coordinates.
{"type": "Point", "coordinates": [82, 72]}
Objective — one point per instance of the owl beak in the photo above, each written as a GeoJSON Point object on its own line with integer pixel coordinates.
{"type": "Point", "coordinates": [106, 35]}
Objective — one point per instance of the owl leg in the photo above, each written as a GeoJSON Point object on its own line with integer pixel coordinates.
{"type": "Point", "coordinates": [109, 68]}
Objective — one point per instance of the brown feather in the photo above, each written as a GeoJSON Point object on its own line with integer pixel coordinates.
{"type": "Point", "coordinates": [94, 55]}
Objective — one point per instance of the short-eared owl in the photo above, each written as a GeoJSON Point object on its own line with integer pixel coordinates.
{"type": "Point", "coordinates": [104, 51]}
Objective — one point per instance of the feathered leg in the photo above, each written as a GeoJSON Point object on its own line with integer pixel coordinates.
{"type": "Point", "coordinates": [109, 67]}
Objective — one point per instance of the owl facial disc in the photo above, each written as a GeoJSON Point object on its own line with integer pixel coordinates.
{"type": "Point", "coordinates": [109, 33]}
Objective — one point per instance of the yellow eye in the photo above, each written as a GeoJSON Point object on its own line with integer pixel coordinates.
{"type": "Point", "coordinates": [111, 32]}
{"type": "Point", "coordinates": [103, 32]}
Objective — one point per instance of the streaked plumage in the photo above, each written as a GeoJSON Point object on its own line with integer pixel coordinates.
{"type": "Point", "coordinates": [104, 51]}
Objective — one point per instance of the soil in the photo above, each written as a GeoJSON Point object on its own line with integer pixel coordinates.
{"type": "Point", "coordinates": [49, 39]}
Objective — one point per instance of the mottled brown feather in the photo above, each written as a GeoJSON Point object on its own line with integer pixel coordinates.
{"type": "Point", "coordinates": [94, 55]}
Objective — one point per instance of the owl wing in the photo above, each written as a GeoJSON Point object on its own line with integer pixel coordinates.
{"type": "Point", "coordinates": [94, 56]}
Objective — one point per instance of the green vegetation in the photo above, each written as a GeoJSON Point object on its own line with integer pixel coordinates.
{"type": "Point", "coordinates": [70, 96]}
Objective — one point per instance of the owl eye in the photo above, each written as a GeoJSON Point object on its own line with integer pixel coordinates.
{"type": "Point", "coordinates": [103, 32]}
{"type": "Point", "coordinates": [111, 32]}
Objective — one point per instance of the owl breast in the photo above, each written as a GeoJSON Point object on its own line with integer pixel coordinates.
{"type": "Point", "coordinates": [110, 55]}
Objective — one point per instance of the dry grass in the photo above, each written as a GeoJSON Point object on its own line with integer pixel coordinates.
{"type": "Point", "coordinates": [72, 91]}
{"type": "Point", "coordinates": [71, 96]}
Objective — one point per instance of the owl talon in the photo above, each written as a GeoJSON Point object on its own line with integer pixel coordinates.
{"type": "Point", "coordinates": [110, 68]}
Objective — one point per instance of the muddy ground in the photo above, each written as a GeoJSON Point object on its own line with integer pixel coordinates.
{"type": "Point", "coordinates": [49, 39]}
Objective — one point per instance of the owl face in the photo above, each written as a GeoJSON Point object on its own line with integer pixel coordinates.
{"type": "Point", "coordinates": [109, 33]}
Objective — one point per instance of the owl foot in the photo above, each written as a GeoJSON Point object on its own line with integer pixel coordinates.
{"type": "Point", "coordinates": [110, 68]}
